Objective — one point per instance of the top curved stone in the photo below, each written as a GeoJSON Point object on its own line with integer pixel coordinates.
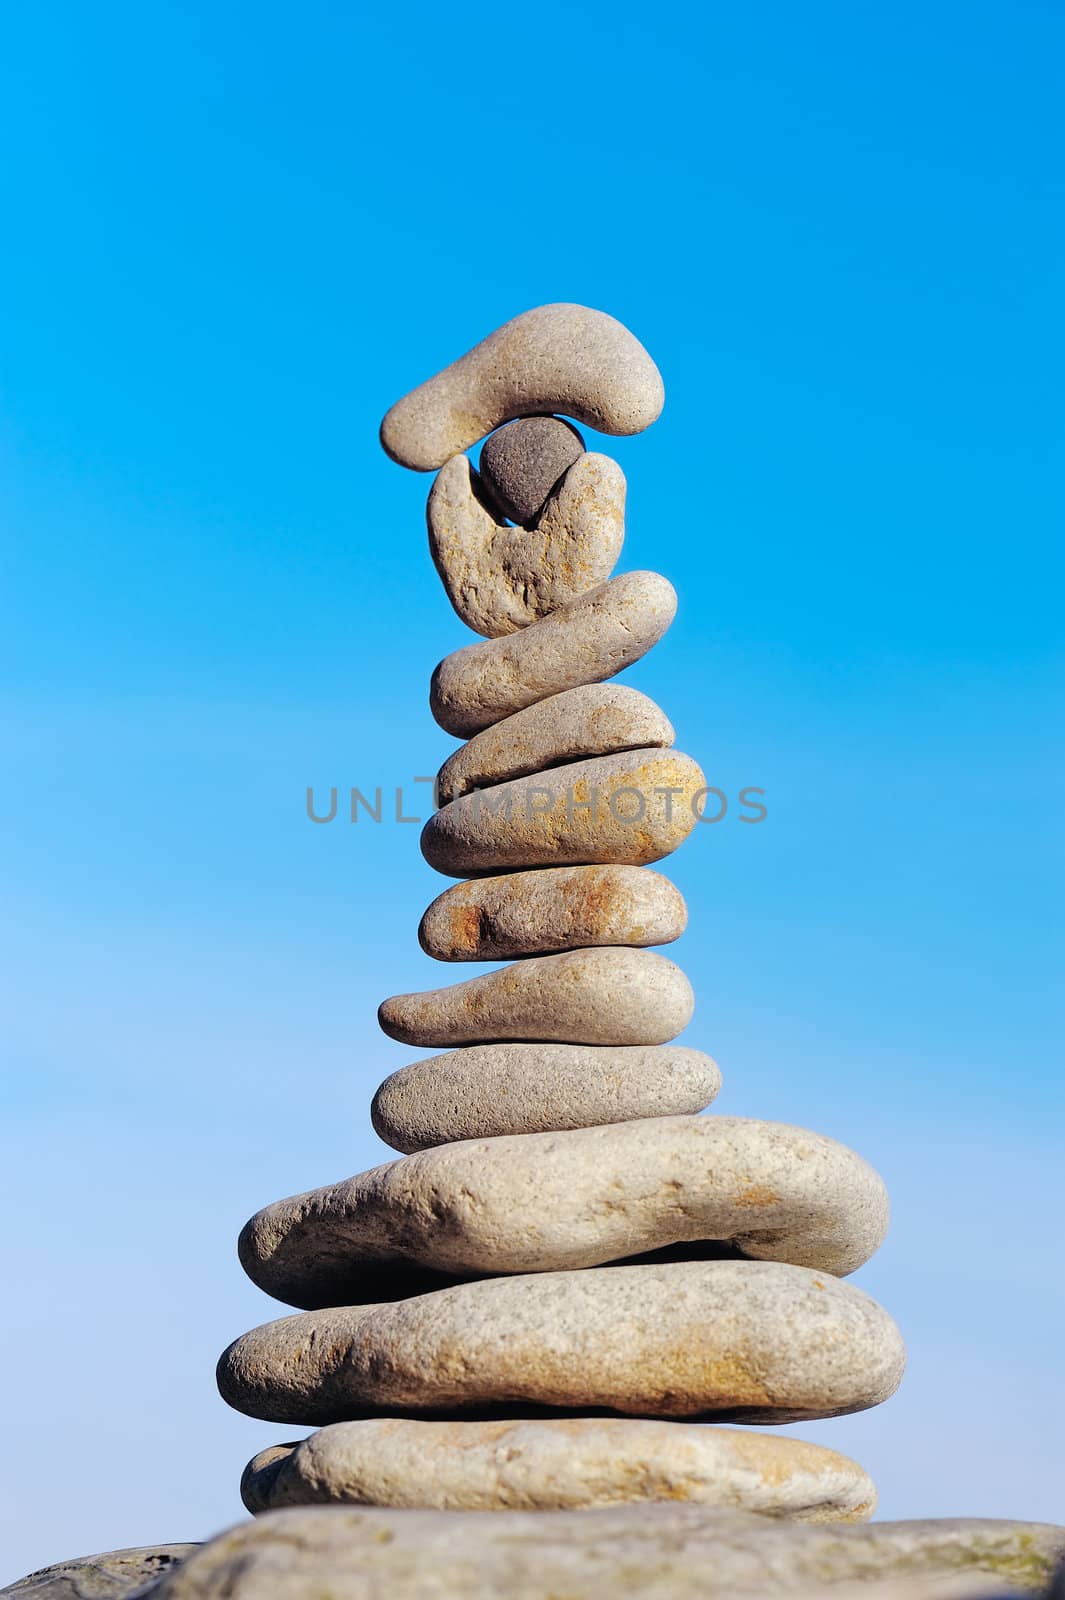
{"type": "Point", "coordinates": [565, 358]}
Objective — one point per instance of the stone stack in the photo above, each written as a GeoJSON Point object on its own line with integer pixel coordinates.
{"type": "Point", "coordinates": [568, 1273]}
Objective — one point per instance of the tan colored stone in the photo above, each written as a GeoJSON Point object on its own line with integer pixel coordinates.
{"type": "Point", "coordinates": [564, 358]}
{"type": "Point", "coordinates": [545, 1202]}
{"type": "Point", "coordinates": [552, 909]}
{"type": "Point", "coordinates": [558, 1464]}
{"type": "Point", "coordinates": [591, 639]}
{"type": "Point", "coordinates": [490, 1090]}
{"type": "Point", "coordinates": [522, 462]}
{"type": "Point", "coordinates": [500, 578]}
{"type": "Point", "coordinates": [626, 809]}
{"type": "Point", "coordinates": [595, 996]}
{"type": "Point", "coordinates": [739, 1341]}
{"type": "Point", "coordinates": [649, 1552]}
{"type": "Point", "coordinates": [597, 719]}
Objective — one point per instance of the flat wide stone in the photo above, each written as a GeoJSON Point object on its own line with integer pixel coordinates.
{"type": "Point", "coordinates": [558, 1464]}
{"type": "Point", "coordinates": [489, 1090]}
{"type": "Point", "coordinates": [627, 809]}
{"type": "Point", "coordinates": [594, 720]}
{"type": "Point", "coordinates": [588, 641]}
{"type": "Point", "coordinates": [548, 1202]}
{"type": "Point", "coordinates": [596, 996]}
{"type": "Point", "coordinates": [562, 357]}
{"type": "Point", "coordinates": [550, 909]}
{"type": "Point", "coordinates": [652, 1552]}
{"type": "Point", "coordinates": [728, 1341]}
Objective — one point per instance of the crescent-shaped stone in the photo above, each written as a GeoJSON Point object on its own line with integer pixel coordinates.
{"type": "Point", "coordinates": [563, 357]}
{"type": "Point", "coordinates": [501, 578]}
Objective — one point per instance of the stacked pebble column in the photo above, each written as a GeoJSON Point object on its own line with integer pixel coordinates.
{"type": "Point", "coordinates": [570, 1279]}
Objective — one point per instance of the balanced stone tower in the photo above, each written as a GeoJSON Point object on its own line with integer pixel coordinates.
{"type": "Point", "coordinates": [569, 1280]}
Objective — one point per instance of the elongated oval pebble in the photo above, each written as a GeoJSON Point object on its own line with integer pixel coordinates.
{"type": "Point", "coordinates": [750, 1341]}
{"type": "Point", "coordinates": [630, 808]}
{"type": "Point", "coordinates": [557, 1463]}
{"type": "Point", "coordinates": [551, 909]}
{"type": "Point", "coordinates": [524, 461]}
{"type": "Point", "coordinates": [488, 1090]}
{"type": "Point", "coordinates": [596, 719]}
{"type": "Point", "coordinates": [594, 996]}
{"type": "Point", "coordinates": [591, 639]}
{"type": "Point", "coordinates": [547, 1202]}
{"type": "Point", "coordinates": [560, 357]}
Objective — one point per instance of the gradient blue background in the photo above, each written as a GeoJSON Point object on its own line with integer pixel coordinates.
{"type": "Point", "coordinates": [234, 234]}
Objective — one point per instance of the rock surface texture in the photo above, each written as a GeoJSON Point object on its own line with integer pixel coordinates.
{"type": "Point", "coordinates": [111, 1576]}
{"type": "Point", "coordinates": [648, 1552]}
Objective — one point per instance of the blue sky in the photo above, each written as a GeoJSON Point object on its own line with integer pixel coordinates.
{"type": "Point", "coordinates": [234, 235]}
